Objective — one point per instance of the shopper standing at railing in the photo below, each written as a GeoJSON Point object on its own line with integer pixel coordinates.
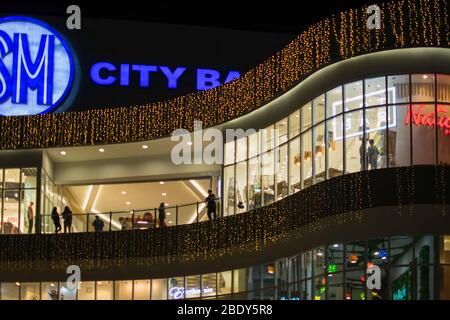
{"type": "Point", "coordinates": [162, 214]}
{"type": "Point", "coordinates": [67, 215]}
{"type": "Point", "coordinates": [98, 224]}
{"type": "Point", "coordinates": [56, 219]}
{"type": "Point", "coordinates": [211, 205]}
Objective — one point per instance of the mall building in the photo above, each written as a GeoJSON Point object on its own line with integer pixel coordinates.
{"type": "Point", "coordinates": [346, 169]}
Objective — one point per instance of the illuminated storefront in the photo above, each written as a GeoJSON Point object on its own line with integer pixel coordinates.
{"type": "Point", "coordinates": [330, 136]}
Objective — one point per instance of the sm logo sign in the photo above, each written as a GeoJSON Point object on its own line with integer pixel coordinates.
{"type": "Point", "coordinates": [36, 67]}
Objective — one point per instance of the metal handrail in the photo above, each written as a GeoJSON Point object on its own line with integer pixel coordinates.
{"type": "Point", "coordinates": [138, 218]}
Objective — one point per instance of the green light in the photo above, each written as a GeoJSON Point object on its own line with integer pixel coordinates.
{"type": "Point", "coordinates": [332, 268]}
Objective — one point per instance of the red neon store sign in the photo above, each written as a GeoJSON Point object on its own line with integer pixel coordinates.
{"type": "Point", "coordinates": [420, 118]}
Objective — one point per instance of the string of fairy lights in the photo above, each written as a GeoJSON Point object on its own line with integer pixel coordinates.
{"type": "Point", "coordinates": [334, 202]}
{"type": "Point", "coordinates": [405, 23]}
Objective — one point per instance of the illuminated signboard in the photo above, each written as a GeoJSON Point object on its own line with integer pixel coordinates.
{"type": "Point", "coordinates": [107, 74]}
{"type": "Point", "coordinates": [379, 124]}
{"type": "Point", "coordinates": [179, 292]}
{"type": "Point", "coordinates": [421, 118]}
{"type": "Point", "coordinates": [36, 67]}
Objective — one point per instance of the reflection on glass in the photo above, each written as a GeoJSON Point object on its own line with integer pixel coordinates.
{"type": "Point", "coordinates": [159, 289]}
{"type": "Point", "coordinates": [281, 131]}
{"type": "Point", "coordinates": [229, 152]}
{"type": "Point", "coordinates": [254, 183]}
{"type": "Point", "coordinates": [306, 116]}
{"type": "Point", "coordinates": [192, 287]}
{"type": "Point", "coordinates": [209, 284]}
{"type": "Point", "coordinates": [241, 149]}
{"type": "Point", "coordinates": [105, 290]}
{"type": "Point", "coordinates": [123, 290]}
{"type": "Point", "coordinates": [443, 88]}
{"type": "Point", "coordinates": [29, 291]}
{"type": "Point", "coordinates": [228, 191]}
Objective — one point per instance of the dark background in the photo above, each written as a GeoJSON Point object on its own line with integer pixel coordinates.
{"type": "Point", "coordinates": [212, 35]}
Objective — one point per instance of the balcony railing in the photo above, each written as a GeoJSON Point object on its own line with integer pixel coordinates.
{"type": "Point", "coordinates": [141, 219]}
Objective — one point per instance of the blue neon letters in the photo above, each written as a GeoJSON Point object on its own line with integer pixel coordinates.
{"type": "Point", "coordinates": [106, 74]}
{"type": "Point", "coordinates": [36, 67]}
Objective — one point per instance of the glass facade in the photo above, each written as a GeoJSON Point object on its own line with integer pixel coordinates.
{"type": "Point", "coordinates": [381, 122]}
{"type": "Point", "coordinates": [411, 268]}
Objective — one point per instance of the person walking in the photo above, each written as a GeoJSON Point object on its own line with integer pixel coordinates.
{"type": "Point", "coordinates": [162, 214]}
{"type": "Point", "coordinates": [372, 154]}
{"type": "Point", "coordinates": [67, 216]}
{"type": "Point", "coordinates": [98, 224]}
{"type": "Point", "coordinates": [211, 205]}
{"type": "Point", "coordinates": [56, 220]}
{"type": "Point", "coordinates": [30, 214]}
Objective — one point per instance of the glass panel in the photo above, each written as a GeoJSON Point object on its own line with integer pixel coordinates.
{"type": "Point", "coordinates": [398, 89]}
{"type": "Point", "coordinates": [11, 212]}
{"type": "Point", "coordinates": [307, 159]}
{"type": "Point", "coordinates": [355, 150]}
{"type": "Point", "coordinates": [254, 183]}
{"type": "Point", "coordinates": [319, 153]}
{"type": "Point", "coordinates": [401, 283]}
{"type": "Point", "coordinates": [176, 288]}
{"type": "Point", "coordinates": [86, 291]}
{"type": "Point", "coordinates": [142, 290]}
{"type": "Point", "coordinates": [254, 145]}
{"type": "Point", "coordinates": [228, 190]}
{"type": "Point", "coordinates": [353, 95]}
{"type": "Point", "coordinates": [422, 87]}
{"type": "Point", "coordinates": [399, 136]}
{"type": "Point", "coordinates": [192, 287]}
{"type": "Point", "coordinates": [123, 290]}
{"type": "Point", "coordinates": [355, 285]}
{"type": "Point", "coordinates": [239, 280]}
{"type": "Point", "coordinates": [12, 178]}
{"type": "Point", "coordinates": [294, 124]}
{"type": "Point", "coordinates": [335, 147]}
{"type": "Point", "coordinates": [306, 116]}
{"type": "Point", "coordinates": [319, 267]}
{"type": "Point", "coordinates": [319, 288]}
{"type": "Point", "coordinates": [268, 138]}
{"type": "Point", "coordinates": [29, 291]}
{"type": "Point", "coordinates": [443, 134]}
{"type": "Point", "coordinates": [294, 165]}
{"type": "Point", "coordinates": [281, 174]}
{"type": "Point", "coordinates": [49, 291]}
{"type": "Point", "coordinates": [105, 290]}
{"type": "Point", "coordinates": [378, 251]}
{"type": "Point", "coordinates": [445, 282]}
{"type": "Point", "coordinates": [336, 286]}
{"type": "Point", "coordinates": [241, 187]}
{"type": "Point", "coordinates": [335, 258]}
{"type": "Point", "coordinates": [376, 138]}
{"type": "Point", "coordinates": [1, 178]}
{"type": "Point", "coordinates": [229, 152]}
{"type": "Point", "coordinates": [224, 282]}
{"type": "Point", "coordinates": [319, 108]}
{"type": "Point", "coordinates": [424, 138]}
{"type": "Point", "coordinates": [443, 90]}
{"type": "Point", "coordinates": [306, 265]}
{"type": "Point", "coordinates": [267, 177]}
{"type": "Point", "coordinates": [375, 91]}
{"type": "Point", "coordinates": [10, 291]}
{"type": "Point", "coordinates": [159, 289]}
{"type": "Point", "coordinates": [334, 102]}
{"type": "Point", "coordinates": [241, 149]}
{"type": "Point", "coordinates": [355, 255]}
{"type": "Point", "coordinates": [67, 294]}
{"type": "Point", "coordinates": [28, 208]}
{"type": "Point", "coordinates": [281, 132]}
{"type": "Point", "coordinates": [29, 178]}
{"type": "Point", "coordinates": [209, 284]}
